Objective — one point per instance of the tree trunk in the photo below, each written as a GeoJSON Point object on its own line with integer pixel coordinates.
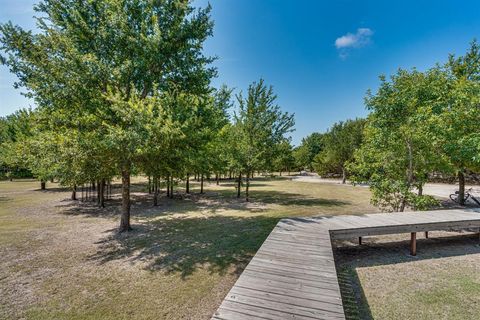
{"type": "Point", "coordinates": [280, 173]}
{"type": "Point", "coordinates": [461, 187]}
{"type": "Point", "coordinates": [168, 186]}
{"type": "Point", "coordinates": [125, 218]}
{"type": "Point", "coordinates": [217, 178]}
{"type": "Point", "coordinates": [187, 184]}
{"type": "Point", "coordinates": [403, 204]}
{"type": "Point", "coordinates": [155, 191]}
{"type": "Point", "coordinates": [102, 193]}
{"type": "Point", "coordinates": [420, 189]}
{"type": "Point", "coordinates": [344, 175]}
{"type": "Point", "coordinates": [171, 187]}
{"type": "Point", "coordinates": [107, 189]}
{"type": "Point", "coordinates": [247, 186]}
{"type": "Point", "coordinates": [74, 192]}
{"type": "Point", "coordinates": [99, 193]}
{"type": "Point", "coordinates": [201, 183]}
{"type": "Point", "coordinates": [239, 184]}
{"type": "Point", "coordinates": [43, 185]}
{"type": "Point", "coordinates": [150, 185]}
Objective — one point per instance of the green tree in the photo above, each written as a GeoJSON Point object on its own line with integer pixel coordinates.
{"type": "Point", "coordinates": [97, 62]}
{"type": "Point", "coordinates": [305, 153]}
{"type": "Point", "coordinates": [14, 130]}
{"type": "Point", "coordinates": [283, 159]}
{"type": "Point", "coordinates": [339, 145]}
{"type": "Point", "coordinates": [259, 126]}
{"type": "Point", "coordinates": [455, 120]}
{"type": "Point", "coordinates": [398, 153]}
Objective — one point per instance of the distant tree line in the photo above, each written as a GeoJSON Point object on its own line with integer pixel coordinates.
{"type": "Point", "coordinates": [123, 88]}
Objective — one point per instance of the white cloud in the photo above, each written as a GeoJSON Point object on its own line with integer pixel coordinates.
{"type": "Point", "coordinates": [353, 40]}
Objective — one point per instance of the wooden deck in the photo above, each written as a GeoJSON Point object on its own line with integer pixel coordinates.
{"type": "Point", "coordinates": [293, 274]}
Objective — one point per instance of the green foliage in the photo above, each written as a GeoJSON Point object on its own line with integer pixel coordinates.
{"type": "Point", "coordinates": [398, 152]}
{"type": "Point", "coordinates": [283, 159]}
{"type": "Point", "coordinates": [305, 153]}
{"type": "Point", "coordinates": [339, 145]}
{"type": "Point", "coordinates": [260, 126]}
{"type": "Point", "coordinates": [14, 130]}
{"type": "Point", "coordinates": [422, 202]}
{"type": "Point", "coordinates": [112, 76]}
{"type": "Point", "coordinates": [420, 122]}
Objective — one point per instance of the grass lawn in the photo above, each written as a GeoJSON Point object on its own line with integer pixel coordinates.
{"type": "Point", "coordinates": [65, 261]}
{"type": "Point", "coordinates": [380, 280]}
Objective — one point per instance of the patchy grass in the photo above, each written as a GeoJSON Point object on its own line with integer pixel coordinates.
{"type": "Point", "coordinates": [64, 260]}
{"type": "Point", "coordinates": [380, 280]}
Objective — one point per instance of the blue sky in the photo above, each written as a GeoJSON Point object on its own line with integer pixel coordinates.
{"type": "Point", "coordinates": [320, 56]}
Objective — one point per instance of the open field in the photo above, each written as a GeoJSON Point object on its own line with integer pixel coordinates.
{"type": "Point", "coordinates": [64, 261]}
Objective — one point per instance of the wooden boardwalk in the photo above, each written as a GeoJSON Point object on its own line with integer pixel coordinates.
{"type": "Point", "coordinates": [293, 274]}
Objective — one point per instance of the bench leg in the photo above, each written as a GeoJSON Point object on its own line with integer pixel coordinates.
{"type": "Point", "coordinates": [413, 244]}
{"type": "Point", "coordinates": [359, 241]}
{"type": "Point", "coordinates": [426, 234]}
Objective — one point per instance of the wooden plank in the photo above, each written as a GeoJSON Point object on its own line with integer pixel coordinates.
{"type": "Point", "coordinates": [231, 307]}
{"type": "Point", "coordinates": [319, 301]}
{"type": "Point", "coordinates": [396, 229]}
{"type": "Point", "coordinates": [316, 311]}
{"type": "Point", "coordinates": [326, 283]}
{"type": "Point", "coordinates": [293, 288]}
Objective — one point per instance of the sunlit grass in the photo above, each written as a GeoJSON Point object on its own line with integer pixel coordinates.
{"type": "Point", "coordinates": [179, 262]}
{"type": "Point", "coordinates": [64, 260]}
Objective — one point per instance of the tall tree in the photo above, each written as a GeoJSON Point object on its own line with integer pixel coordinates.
{"type": "Point", "coordinates": [260, 125]}
{"type": "Point", "coordinates": [98, 61]}
{"type": "Point", "coordinates": [398, 152]}
{"type": "Point", "coordinates": [456, 119]}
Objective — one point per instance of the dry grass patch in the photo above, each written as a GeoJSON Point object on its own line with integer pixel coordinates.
{"type": "Point", "coordinates": [380, 280]}
{"type": "Point", "coordinates": [64, 260]}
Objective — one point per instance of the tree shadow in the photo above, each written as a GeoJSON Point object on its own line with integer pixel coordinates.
{"type": "Point", "coordinates": [287, 199]}
{"type": "Point", "coordinates": [349, 257]}
{"type": "Point", "coordinates": [181, 245]}
{"type": "Point", "coordinates": [212, 202]}
{"type": "Point", "coordinates": [53, 190]}
{"type": "Point", "coordinates": [5, 199]}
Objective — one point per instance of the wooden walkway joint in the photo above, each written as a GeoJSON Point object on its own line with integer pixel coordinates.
{"type": "Point", "coordinates": [293, 276]}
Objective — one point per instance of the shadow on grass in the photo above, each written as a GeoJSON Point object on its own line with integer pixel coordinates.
{"type": "Point", "coordinates": [181, 245]}
{"type": "Point", "coordinates": [176, 240]}
{"type": "Point", "coordinates": [211, 201]}
{"type": "Point", "coordinates": [5, 199]}
{"type": "Point", "coordinates": [349, 257]}
{"type": "Point", "coordinates": [53, 190]}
